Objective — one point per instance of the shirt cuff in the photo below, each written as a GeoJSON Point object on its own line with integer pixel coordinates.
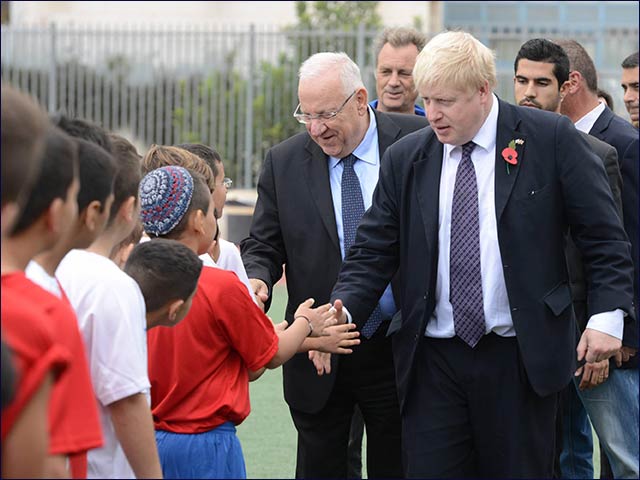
{"type": "Point", "coordinates": [349, 317]}
{"type": "Point", "coordinates": [611, 323]}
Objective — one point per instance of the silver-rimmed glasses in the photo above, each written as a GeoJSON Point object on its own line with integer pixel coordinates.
{"type": "Point", "coordinates": [305, 118]}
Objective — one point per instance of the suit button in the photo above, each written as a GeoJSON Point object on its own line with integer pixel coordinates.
{"type": "Point", "coordinates": [415, 337]}
{"type": "Point", "coordinates": [424, 298]}
{"type": "Point", "coordinates": [505, 266]}
{"type": "Point", "coordinates": [514, 309]}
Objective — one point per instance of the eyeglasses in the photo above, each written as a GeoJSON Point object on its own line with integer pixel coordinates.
{"type": "Point", "coordinates": [305, 118]}
{"type": "Point", "coordinates": [227, 182]}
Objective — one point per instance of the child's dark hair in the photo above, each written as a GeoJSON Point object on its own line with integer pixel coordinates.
{"type": "Point", "coordinates": [129, 173]}
{"type": "Point", "coordinates": [58, 168]}
{"type": "Point", "coordinates": [97, 171]}
{"type": "Point", "coordinates": [24, 124]}
{"type": "Point", "coordinates": [165, 270]}
{"type": "Point", "coordinates": [204, 152]}
{"type": "Point", "coordinates": [79, 128]}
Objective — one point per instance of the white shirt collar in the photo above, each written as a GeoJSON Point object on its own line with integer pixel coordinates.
{"type": "Point", "coordinates": [485, 138]}
{"type": "Point", "coordinates": [585, 124]}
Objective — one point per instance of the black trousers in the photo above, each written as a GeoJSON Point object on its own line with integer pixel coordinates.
{"type": "Point", "coordinates": [473, 413]}
{"type": "Point", "coordinates": [365, 378]}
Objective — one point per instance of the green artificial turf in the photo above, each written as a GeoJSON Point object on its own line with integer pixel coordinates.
{"type": "Point", "coordinates": [268, 436]}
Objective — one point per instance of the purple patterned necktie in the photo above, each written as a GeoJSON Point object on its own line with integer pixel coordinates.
{"type": "Point", "coordinates": [465, 292]}
{"type": "Point", "coordinates": [352, 212]}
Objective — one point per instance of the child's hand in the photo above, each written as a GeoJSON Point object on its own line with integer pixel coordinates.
{"type": "Point", "coordinates": [318, 318]}
{"type": "Point", "coordinates": [339, 338]}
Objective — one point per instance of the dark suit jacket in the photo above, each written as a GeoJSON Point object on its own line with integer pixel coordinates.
{"type": "Point", "coordinates": [294, 225]}
{"type": "Point", "coordinates": [609, 158]}
{"type": "Point", "coordinates": [558, 183]}
{"type": "Point", "coordinates": [620, 134]}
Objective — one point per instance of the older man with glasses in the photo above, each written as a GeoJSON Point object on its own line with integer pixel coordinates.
{"type": "Point", "coordinates": [313, 189]}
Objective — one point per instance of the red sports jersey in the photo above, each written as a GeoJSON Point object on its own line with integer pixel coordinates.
{"type": "Point", "coordinates": [26, 329]}
{"type": "Point", "coordinates": [74, 424]}
{"type": "Point", "coordinates": [198, 369]}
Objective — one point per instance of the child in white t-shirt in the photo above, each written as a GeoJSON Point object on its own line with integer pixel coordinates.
{"type": "Point", "coordinates": [111, 315]}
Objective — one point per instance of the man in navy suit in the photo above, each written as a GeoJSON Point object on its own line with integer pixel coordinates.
{"type": "Point", "coordinates": [618, 409]}
{"type": "Point", "coordinates": [472, 212]}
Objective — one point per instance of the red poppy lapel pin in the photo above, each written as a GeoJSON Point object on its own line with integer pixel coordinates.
{"type": "Point", "coordinates": [510, 154]}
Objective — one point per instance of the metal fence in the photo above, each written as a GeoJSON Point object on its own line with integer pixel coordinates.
{"type": "Point", "coordinates": [232, 88]}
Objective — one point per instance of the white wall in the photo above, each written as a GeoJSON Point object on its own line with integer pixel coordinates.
{"type": "Point", "coordinates": [276, 13]}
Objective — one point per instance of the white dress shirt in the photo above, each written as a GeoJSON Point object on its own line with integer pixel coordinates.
{"type": "Point", "coordinates": [611, 323]}
{"type": "Point", "coordinates": [585, 124]}
{"type": "Point", "coordinates": [494, 291]}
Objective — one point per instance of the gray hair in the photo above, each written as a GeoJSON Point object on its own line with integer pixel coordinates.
{"type": "Point", "coordinates": [319, 64]}
{"type": "Point", "coordinates": [399, 37]}
{"type": "Point", "coordinates": [581, 62]}
{"type": "Point", "coordinates": [631, 61]}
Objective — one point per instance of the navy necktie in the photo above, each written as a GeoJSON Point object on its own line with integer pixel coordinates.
{"type": "Point", "coordinates": [352, 212]}
{"type": "Point", "coordinates": [465, 292]}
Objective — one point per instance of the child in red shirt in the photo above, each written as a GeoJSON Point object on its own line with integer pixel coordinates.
{"type": "Point", "coordinates": [48, 215]}
{"type": "Point", "coordinates": [199, 370]}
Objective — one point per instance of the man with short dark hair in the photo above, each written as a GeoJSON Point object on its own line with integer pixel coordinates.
{"type": "Point", "coordinates": [541, 81]}
{"type": "Point", "coordinates": [629, 84]}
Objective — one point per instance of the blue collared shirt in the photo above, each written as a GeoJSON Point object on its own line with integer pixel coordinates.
{"type": "Point", "coordinates": [416, 109]}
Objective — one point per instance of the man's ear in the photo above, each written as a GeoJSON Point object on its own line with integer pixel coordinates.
{"type": "Point", "coordinates": [362, 98]}
{"type": "Point", "coordinates": [575, 82]}
{"type": "Point", "coordinates": [564, 89]}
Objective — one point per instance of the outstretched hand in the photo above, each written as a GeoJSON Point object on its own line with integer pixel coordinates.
{"type": "Point", "coordinates": [339, 338]}
{"type": "Point", "coordinates": [338, 312]}
{"type": "Point", "coordinates": [260, 290]}
{"type": "Point", "coordinates": [319, 317]}
{"type": "Point", "coordinates": [320, 360]}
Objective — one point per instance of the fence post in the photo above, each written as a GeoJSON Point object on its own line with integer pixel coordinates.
{"type": "Point", "coordinates": [53, 70]}
{"type": "Point", "coordinates": [361, 55]}
{"type": "Point", "coordinates": [248, 131]}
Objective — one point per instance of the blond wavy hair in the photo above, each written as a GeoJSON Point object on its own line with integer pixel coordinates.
{"type": "Point", "coordinates": [457, 60]}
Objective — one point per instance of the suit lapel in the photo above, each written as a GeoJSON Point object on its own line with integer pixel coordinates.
{"type": "Point", "coordinates": [427, 173]}
{"type": "Point", "coordinates": [508, 122]}
{"type": "Point", "coordinates": [316, 173]}
{"type": "Point", "coordinates": [602, 123]}
{"type": "Point", "coordinates": [388, 132]}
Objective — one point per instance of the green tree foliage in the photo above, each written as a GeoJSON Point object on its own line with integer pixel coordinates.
{"type": "Point", "coordinates": [345, 16]}
{"type": "Point", "coordinates": [275, 83]}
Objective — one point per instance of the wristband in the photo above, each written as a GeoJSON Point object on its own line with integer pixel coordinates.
{"type": "Point", "coordinates": [308, 321]}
